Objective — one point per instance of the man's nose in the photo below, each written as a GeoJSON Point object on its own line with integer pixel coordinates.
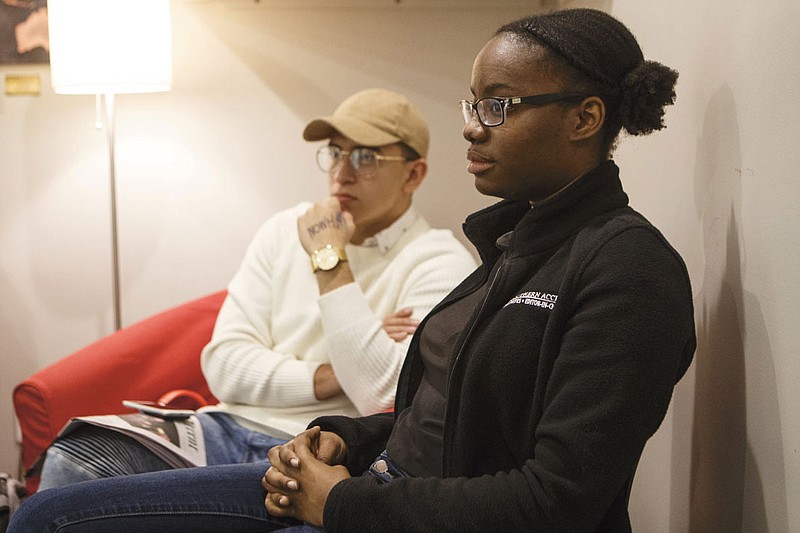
{"type": "Point", "coordinates": [344, 172]}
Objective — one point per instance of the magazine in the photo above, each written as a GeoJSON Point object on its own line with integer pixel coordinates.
{"type": "Point", "coordinates": [178, 441]}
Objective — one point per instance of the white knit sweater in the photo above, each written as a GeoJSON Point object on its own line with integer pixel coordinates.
{"type": "Point", "coordinates": [274, 328]}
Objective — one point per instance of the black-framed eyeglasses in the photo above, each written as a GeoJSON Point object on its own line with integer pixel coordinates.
{"type": "Point", "coordinates": [365, 160]}
{"type": "Point", "coordinates": [491, 110]}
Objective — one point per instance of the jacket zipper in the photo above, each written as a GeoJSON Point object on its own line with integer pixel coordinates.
{"type": "Point", "coordinates": [451, 404]}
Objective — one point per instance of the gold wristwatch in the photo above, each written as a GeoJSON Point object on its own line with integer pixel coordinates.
{"type": "Point", "coordinates": [327, 258]}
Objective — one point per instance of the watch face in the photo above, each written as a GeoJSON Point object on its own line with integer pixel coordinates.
{"type": "Point", "coordinates": [327, 258]}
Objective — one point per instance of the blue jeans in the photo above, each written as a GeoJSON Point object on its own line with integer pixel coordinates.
{"type": "Point", "coordinates": [215, 499]}
{"type": "Point", "coordinates": [94, 453]}
{"type": "Point", "coordinates": [206, 499]}
{"type": "Point", "coordinates": [130, 489]}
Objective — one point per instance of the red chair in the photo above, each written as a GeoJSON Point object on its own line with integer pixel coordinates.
{"type": "Point", "coordinates": [141, 362]}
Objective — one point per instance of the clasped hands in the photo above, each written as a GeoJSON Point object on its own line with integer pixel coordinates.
{"type": "Point", "coordinates": [303, 472]}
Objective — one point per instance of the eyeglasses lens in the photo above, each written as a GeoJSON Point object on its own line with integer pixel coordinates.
{"type": "Point", "coordinates": [490, 111]}
{"type": "Point", "coordinates": [363, 160]}
{"type": "Point", "coordinates": [466, 111]}
{"type": "Point", "coordinates": [328, 157]}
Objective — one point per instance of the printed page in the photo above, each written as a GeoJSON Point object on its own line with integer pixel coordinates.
{"type": "Point", "coordinates": [178, 441]}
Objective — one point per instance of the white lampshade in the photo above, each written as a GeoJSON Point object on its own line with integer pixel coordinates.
{"type": "Point", "coordinates": [110, 46]}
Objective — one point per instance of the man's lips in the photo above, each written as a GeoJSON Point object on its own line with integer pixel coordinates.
{"type": "Point", "coordinates": [343, 197]}
{"type": "Point", "coordinates": [478, 163]}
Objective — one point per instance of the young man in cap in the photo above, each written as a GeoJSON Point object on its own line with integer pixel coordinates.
{"type": "Point", "coordinates": [317, 319]}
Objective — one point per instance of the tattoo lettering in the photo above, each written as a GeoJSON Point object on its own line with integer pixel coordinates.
{"type": "Point", "coordinates": [333, 221]}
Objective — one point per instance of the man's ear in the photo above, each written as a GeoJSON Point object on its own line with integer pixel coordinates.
{"type": "Point", "coordinates": [419, 168]}
{"type": "Point", "coordinates": [590, 118]}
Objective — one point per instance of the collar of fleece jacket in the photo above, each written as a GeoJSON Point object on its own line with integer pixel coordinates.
{"type": "Point", "coordinates": [549, 222]}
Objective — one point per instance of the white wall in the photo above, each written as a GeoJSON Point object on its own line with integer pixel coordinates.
{"type": "Point", "coordinates": [200, 168]}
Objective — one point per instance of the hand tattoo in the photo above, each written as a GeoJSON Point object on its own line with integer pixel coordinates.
{"type": "Point", "coordinates": [333, 221]}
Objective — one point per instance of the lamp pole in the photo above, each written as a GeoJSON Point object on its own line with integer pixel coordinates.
{"type": "Point", "coordinates": [108, 99]}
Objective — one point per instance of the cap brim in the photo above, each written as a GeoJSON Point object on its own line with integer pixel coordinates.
{"type": "Point", "coordinates": [357, 130]}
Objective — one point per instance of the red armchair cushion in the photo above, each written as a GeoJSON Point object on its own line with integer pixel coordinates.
{"type": "Point", "coordinates": [140, 362]}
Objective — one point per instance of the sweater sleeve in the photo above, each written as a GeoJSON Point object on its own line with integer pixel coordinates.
{"type": "Point", "coordinates": [365, 359]}
{"type": "Point", "coordinates": [626, 340]}
{"type": "Point", "coordinates": [240, 363]}
{"type": "Point", "coordinates": [365, 437]}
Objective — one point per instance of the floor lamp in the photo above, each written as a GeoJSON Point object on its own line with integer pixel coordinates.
{"type": "Point", "coordinates": [105, 48]}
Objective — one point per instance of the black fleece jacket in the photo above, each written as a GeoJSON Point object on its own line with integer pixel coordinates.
{"type": "Point", "coordinates": [557, 381]}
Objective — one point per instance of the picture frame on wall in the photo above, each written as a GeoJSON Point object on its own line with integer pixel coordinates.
{"type": "Point", "coordinates": [23, 32]}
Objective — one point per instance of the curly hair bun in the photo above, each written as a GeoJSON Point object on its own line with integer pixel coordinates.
{"type": "Point", "coordinates": [646, 91]}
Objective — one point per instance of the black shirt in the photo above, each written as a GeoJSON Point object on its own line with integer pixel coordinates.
{"type": "Point", "coordinates": [416, 441]}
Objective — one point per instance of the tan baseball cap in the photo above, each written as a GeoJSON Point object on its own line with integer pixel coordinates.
{"type": "Point", "coordinates": [374, 117]}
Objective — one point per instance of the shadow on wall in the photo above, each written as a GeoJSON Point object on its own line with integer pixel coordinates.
{"type": "Point", "coordinates": [303, 54]}
{"type": "Point", "coordinates": [16, 355]}
{"type": "Point", "coordinates": [726, 487]}
{"type": "Point", "coordinates": [63, 233]}
{"type": "Point", "coordinates": [15, 340]}
{"type": "Point", "coordinates": [417, 50]}
{"type": "Point", "coordinates": [602, 5]}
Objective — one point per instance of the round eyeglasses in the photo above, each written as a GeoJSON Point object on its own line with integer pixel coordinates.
{"type": "Point", "coordinates": [365, 160]}
{"type": "Point", "coordinates": [491, 110]}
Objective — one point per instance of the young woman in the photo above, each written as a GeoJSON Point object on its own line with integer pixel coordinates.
{"type": "Point", "coordinates": [529, 392]}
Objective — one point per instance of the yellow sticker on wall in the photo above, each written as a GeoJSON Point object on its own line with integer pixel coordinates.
{"type": "Point", "coordinates": [23, 85]}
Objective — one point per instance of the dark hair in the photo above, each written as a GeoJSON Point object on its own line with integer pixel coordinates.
{"type": "Point", "coordinates": [596, 54]}
{"type": "Point", "coordinates": [408, 152]}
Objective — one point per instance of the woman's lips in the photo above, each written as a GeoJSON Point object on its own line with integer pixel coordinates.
{"type": "Point", "coordinates": [478, 163]}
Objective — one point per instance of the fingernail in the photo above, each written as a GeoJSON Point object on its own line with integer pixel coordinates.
{"type": "Point", "coordinates": [292, 485]}
{"type": "Point", "coordinates": [294, 461]}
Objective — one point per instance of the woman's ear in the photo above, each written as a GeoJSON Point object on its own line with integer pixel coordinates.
{"type": "Point", "coordinates": [591, 115]}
